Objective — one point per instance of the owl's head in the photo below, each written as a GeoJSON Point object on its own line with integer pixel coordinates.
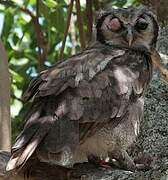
{"type": "Point", "coordinates": [131, 27]}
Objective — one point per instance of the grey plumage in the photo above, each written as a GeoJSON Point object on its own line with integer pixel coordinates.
{"type": "Point", "coordinates": [91, 103]}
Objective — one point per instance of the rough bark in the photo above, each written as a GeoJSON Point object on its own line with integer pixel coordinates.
{"type": "Point", "coordinates": [5, 125]}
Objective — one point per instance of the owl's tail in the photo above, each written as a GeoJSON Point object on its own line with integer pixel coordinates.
{"type": "Point", "coordinates": [35, 129]}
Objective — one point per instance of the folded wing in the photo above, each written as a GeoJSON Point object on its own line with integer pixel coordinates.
{"type": "Point", "coordinates": [73, 99]}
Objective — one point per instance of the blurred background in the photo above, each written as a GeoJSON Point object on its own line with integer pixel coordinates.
{"type": "Point", "coordinates": [38, 33]}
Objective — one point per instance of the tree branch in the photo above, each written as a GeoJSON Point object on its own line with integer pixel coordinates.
{"type": "Point", "coordinates": [12, 4]}
{"type": "Point", "coordinates": [41, 40]}
{"type": "Point", "coordinates": [80, 24]}
{"type": "Point", "coordinates": [89, 15]}
{"type": "Point", "coordinates": [67, 28]}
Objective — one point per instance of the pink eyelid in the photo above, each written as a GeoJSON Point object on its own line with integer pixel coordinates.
{"type": "Point", "coordinates": [114, 24]}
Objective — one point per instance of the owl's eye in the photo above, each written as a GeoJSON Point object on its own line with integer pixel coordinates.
{"type": "Point", "coordinates": [114, 24]}
{"type": "Point", "coordinates": [141, 24]}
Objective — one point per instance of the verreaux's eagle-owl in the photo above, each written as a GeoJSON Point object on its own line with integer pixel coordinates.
{"type": "Point", "coordinates": [92, 103]}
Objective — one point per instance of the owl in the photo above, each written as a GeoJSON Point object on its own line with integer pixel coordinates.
{"type": "Point", "coordinates": [90, 105]}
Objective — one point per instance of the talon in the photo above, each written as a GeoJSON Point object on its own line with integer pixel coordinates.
{"type": "Point", "coordinates": [143, 161]}
{"type": "Point", "coordinates": [104, 164]}
{"type": "Point", "coordinates": [98, 162]}
{"type": "Point", "coordinates": [142, 167]}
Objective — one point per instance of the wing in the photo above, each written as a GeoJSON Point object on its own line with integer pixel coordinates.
{"type": "Point", "coordinates": [75, 98]}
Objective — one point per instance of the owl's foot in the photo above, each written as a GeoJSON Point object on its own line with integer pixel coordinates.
{"type": "Point", "coordinates": [122, 160]}
{"type": "Point", "coordinates": [98, 162]}
{"type": "Point", "coordinates": [143, 161]}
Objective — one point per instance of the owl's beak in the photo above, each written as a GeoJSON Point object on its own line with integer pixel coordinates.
{"type": "Point", "coordinates": [129, 36]}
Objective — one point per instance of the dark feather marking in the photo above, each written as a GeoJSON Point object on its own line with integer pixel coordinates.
{"type": "Point", "coordinates": [84, 128]}
{"type": "Point", "coordinates": [32, 123]}
{"type": "Point", "coordinates": [32, 89]}
{"type": "Point", "coordinates": [90, 131]}
{"type": "Point", "coordinates": [25, 152]}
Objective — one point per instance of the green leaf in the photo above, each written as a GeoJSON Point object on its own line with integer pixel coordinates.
{"type": "Point", "coordinates": [58, 22]}
{"type": "Point", "coordinates": [16, 76]}
{"type": "Point", "coordinates": [8, 22]}
{"type": "Point", "coordinates": [29, 2]}
{"type": "Point", "coordinates": [44, 10]}
{"type": "Point", "coordinates": [119, 3]}
{"type": "Point", "coordinates": [15, 38]}
{"type": "Point", "coordinates": [54, 16]}
{"type": "Point", "coordinates": [50, 3]}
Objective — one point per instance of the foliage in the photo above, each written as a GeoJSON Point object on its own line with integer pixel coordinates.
{"type": "Point", "coordinates": [19, 34]}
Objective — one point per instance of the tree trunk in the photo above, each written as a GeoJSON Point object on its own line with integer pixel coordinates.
{"type": "Point", "coordinates": [5, 124]}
